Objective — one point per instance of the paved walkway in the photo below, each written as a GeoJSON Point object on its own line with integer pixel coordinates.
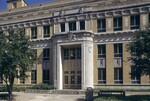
{"type": "Point", "coordinates": [21, 96]}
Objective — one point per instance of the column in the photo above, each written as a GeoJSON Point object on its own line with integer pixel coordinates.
{"type": "Point", "coordinates": [87, 64]}
{"type": "Point", "coordinates": [54, 63]}
{"type": "Point", "coordinates": [59, 69]}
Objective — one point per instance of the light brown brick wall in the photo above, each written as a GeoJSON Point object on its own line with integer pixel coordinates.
{"type": "Point", "coordinates": [40, 32]}
{"type": "Point", "coordinates": [126, 22]}
{"type": "Point", "coordinates": [109, 64]}
{"type": "Point", "coordinates": [94, 25]}
{"type": "Point", "coordinates": [145, 79]}
{"type": "Point", "coordinates": [95, 57]}
{"type": "Point", "coordinates": [39, 65]}
{"type": "Point", "coordinates": [143, 20]}
{"type": "Point", "coordinates": [56, 30]}
{"type": "Point", "coordinates": [109, 24]}
{"type": "Point", "coordinates": [126, 65]}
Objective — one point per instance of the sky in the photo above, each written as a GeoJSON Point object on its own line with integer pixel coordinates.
{"type": "Point", "coordinates": [3, 5]}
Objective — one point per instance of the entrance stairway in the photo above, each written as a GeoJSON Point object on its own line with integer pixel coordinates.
{"type": "Point", "coordinates": [69, 91]}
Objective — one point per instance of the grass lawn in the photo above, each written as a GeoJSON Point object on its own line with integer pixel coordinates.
{"type": "Point", "coordinates": [122, 98]}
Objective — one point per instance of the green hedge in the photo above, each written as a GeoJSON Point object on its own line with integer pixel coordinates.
{"type": "Point", "coordinates": [42, 86]}
{"type": "Point", "coordinates": [23, 88]}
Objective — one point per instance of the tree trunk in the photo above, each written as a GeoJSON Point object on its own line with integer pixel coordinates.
{"type": "Point", "coordinates": [9, 89]}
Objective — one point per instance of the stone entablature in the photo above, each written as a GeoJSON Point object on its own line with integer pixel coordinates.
{"type": "Point", "coordinates": [31, 14]}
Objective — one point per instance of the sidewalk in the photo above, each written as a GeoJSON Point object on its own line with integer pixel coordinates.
{"type": "Point", "coordinates": [21, 96]}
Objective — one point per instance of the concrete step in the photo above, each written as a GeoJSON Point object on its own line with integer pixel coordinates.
{"type": "Point", "coordinates": [69, 91]}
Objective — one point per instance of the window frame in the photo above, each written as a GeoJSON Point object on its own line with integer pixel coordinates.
{"type": "Point", "coordinates": [134, 22]}
{"type": "Point", "coordinates": [82, 22]}
{"type": "Point", "coordinates": [46, 31]}
{"type": "Point", "coordinates": [46, 54]}
{"type": "Point", "coordinates": [117, 22]}
{"type": "Point", "coordinates": [72, 25]}
{"type": "Point", "coordinates": [33, 32]}
{"type": "Point", "coordinates": [101, 25]}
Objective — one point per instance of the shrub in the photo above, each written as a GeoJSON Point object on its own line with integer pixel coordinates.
{"type": "Point", "coordinates": [42, 86]}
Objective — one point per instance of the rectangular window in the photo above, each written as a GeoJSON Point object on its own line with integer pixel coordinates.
{"type": "Point", "coordinates": [135, 76]}
{"type": "Point", "coordinates": [34, 33]}
{"type": "Point", "coordinates": [101, 25]}
{"type": "Point", "coordinates": [46, 54]}
{"type": "Point", "coordinates": [118, 75]}
{"type": "Point", "coordinates": [82, 25]}
{"type": "Point", "coordinates": [118, 50]}
{"type": "Point", "coordinates": [62, 27]}
{"type": "Point", "coordinates": [33, 77]}
{"type": "Point", "coordinates": [101, 51]}
{"type": "Point", "coordinates": [134, 21]}
{"type": "Point", "coordinates": [118, 24]}
{"type": "Point", "coordinates": [101, 75]}
{"type": "Point", "coordinates": [78, 53]}
{"type": "Point", "coordinates": [14, 5]}
{"type": "Point", "coordinates": [72, 53]}
{"type": "Point", "coordinates": [46, 31]}
{"type": "Point", "coordinates": [72, 26]}
{"type": "Point", "coordinates": [46, 76]}
{"type": "Point", "coordinates": [66, 54]}
{"type": "Point", "coordinates": [149, 17]}
{"type": "Point", "coordinates": [101, 64]}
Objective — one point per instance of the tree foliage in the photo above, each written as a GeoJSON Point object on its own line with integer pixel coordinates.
{"type": "Point", "coordinates": [140, 50]}
{"type": "Point", "coordinates": [15, 57]}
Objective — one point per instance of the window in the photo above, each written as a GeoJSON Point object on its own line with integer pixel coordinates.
{"type": "Point", "coordinates": [101, 64]}
{"type": "Point", "coordinates": [118, 50]}
{"type": "Point", "coordinates": [135, 76]}
{"type": "Point", "coordinates": [118, 24]}
{"type": "Point", "coordinates": [118, 77]}
{"type": "Point", "coordinates": [66, 54]}
{"type": "Point", "coordinates": [46, 31]}
{"type": "Point", "coordinates": [78, 53]}
{"type": "Point", "coordinates": [1, 32]}
{"type": "Point", "coordinates": [72, 26]}
{"type": "Point", "coordinates": [101, 25]}
{"type": "Point", "coordinates": [72, 53]}
{"type": "Point", "coordinates": [62, 27]}
{"type": "Point", "coordinates": [14, 5]}
{"type": "Point", "coordinates": [149, 17]}
{"type": "Point", "coordinates": [82, 25]}
{"type": "Point", "coordinates": [46, 76]}
{"type": "Point", "coordinates": [34, 33]}
{"type": "Point", "coordinates": [101, 51]}
{"type": "Point", "coordinates": [134, 21]}
{"type": "Point", "coordinates": [101, 75]}
{"type": "Point", "coordinates": [33, 76]}
{"type": "Point", "coordinates": [46, 54]}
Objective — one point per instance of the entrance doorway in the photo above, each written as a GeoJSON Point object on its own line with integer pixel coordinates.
{"type": "Point", "coordinates": [71, 67]}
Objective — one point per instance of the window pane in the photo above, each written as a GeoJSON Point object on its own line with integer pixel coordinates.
{"type": "Point", "coordinates": [66, 54]}
{"type": "Point", "coordinates": [78, 53]}
{"type": "Point", "coordinates": [46, 54]}
{"type": "Point", "coordinates": [34, 32]}
{"type": "Point", "coordinates": [82, 25]}
{"type": "Point", "coordinates": [101, 25]}
{"type": "Point", "coordinates": [72, 53]}
{"type": "Point", "coordinates": [46, 31]}
{"type": "Point", "coordinates": [62, 25]}
{"type": "Point", "coordinates": [72, 26]}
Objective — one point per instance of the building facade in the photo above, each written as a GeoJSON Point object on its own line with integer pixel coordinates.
{"type": "Point", "coordinates": [80, 43]}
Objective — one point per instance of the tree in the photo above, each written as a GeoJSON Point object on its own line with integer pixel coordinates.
{"type": "Point", "coordinates": [140, 48]}
{"type": "Point", "coordinates": [15, 57]}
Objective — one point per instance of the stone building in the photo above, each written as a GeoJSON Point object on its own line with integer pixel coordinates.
{"type": "Point", "coordinates": [80, 43]}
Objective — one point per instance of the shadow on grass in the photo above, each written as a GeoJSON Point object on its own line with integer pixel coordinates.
{"type": "Point", "coordinates": [122, 98]}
